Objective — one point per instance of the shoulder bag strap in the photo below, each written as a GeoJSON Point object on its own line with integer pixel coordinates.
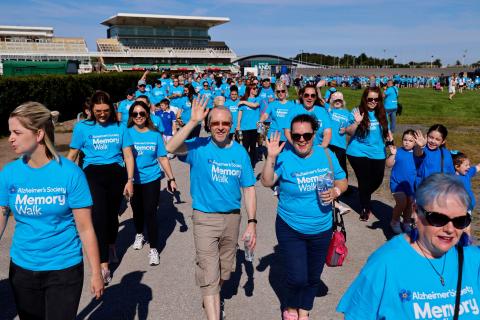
{"type": "Point", "coordinates": [441, 159]}
{"type": "Point", "coordinates": [459, 282]}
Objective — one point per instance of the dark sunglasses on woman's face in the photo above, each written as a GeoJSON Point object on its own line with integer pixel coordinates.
{"type": "Point", "coordinates": [307, 136]}
{"type": "Point", "coordinates": [137, 114]}
{"type": "Point", "coordinates": [437, 219]}
{"type": "Point", "coordinates": [373, 99]}
{"type": "Point", "coordinates": [281, 91]}
{"type": "Point", "coordinates": [313, 95]}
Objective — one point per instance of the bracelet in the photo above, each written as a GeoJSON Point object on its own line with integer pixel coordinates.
{"type": "Point", "coordinates": [252, 220]}
{"type": "Point", "coordinates": [131, 179]}
{"type": "Point", "coordinates": [170, 180]}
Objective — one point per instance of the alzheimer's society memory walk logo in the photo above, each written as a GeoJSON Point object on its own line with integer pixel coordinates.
{"type": "Point", "coordinates": [222, 171]}
{"type": "Point", "coordinates": [101, 142]}
{"type": "Point", "coordinates": [31, 201]}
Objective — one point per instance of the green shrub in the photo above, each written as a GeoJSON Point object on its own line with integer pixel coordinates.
{"type": "Point", "coordinates": [64, 93]}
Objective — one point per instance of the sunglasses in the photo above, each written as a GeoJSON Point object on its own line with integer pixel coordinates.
{"type": "Point", "coordinates": [373, 99]}
{"type": "Point", "coordinates": [141, 85]}
{"type": "Point", "coordinates": [281, 91]}
{"type": "Point", "coordinates": [223, 123]}
{"type": "Point", "coordinates": [338, 101]}
{"type": "Point", "coordinates": [313, 95]}
{"type": "Point", "coordinates": [307, 136]}
{"type": "Point", "coordinates": [139, 114]}
{"type": "Point", "coordinates": [437, 219]}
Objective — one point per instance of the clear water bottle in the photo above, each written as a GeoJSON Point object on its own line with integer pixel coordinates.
{"type": "Point", "coordinates": [249, 254]}
{"type": "Point", "coordinates": [324, 183]}
{"type": "Point", "coordinates": [239, 135]}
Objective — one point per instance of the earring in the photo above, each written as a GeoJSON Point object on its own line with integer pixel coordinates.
{"type": "Point", "coordinates": [413, 232]}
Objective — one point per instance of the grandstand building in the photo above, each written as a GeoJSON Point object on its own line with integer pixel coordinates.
{"type": "Point", "coordinates": [20, 43]}
{"type": "Point", "coordinates": [139, 41]}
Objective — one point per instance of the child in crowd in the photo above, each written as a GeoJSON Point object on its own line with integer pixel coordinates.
{"type": "Point", "coordinates": [431, 153]}
{"type": "Point", "coordinates": [465, 172]}
{"type": "Point", "coordinates": [168, 120]}
{"type": "Point", "coordinates": [402, 181]}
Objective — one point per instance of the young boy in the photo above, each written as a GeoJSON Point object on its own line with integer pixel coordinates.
{"type": "Point", "coordinates": [168, 120]}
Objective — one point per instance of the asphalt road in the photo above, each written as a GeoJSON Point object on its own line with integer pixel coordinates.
{"type": "Point", "coordinates": [168, 291]}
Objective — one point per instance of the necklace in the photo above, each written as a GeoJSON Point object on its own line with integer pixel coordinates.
{"type": "Point", "coordinates": [440, 275]}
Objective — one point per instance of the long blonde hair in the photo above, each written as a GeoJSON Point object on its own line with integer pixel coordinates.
{"type": "Point", "coordinates": [35, 116]}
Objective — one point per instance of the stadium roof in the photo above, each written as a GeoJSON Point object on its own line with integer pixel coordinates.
{"type": "Point", "coordinates": [163, 20]}
{"type": "Point", "coordinates": [26, 31]}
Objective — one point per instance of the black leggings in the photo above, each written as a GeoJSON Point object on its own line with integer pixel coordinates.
{"type": "Point", "coordinates": [52, 295]}
{"type": "Point", "coordinates": [250, 144]}
{"type": "Point", "coordinates": [369, 174]}
{"type": "Point", "coordinates": [341, 156]}
{"type": "Point", "coordinates": [144, 205]}
{"type": "Point", "coordinates": [106, 184]}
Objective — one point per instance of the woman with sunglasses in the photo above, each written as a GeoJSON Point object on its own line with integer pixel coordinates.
{"type": "Point", "coordinates": [304, 218]}
{"type": "Point", "coordinates": [107, 148]}
{"type": "Point", "coordinates": [310, 104]}
{"type": "Point", "coordinates": [366, 148]}
{"type": "Point", "coordinates": [415, 276]}
{"type": "Point", "coordinates": [149, 151]}
{"type": "Point", "coordinates": [248, 116]}
{"type": "Point", "coordinates": [207, 93]}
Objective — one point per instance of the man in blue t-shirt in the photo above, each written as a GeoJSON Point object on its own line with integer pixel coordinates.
{"type": "Point", "coordinates": [219, 170]}
{"type": "Point", "coordinates": [390, 96]}
{"type": "Point", "coordinates": [124, 106]}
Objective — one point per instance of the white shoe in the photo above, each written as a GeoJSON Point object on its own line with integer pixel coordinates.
{"type": "Point", "coordinates": [275, 191]}
{"type": "Point", "coordinates": [396, 227]}
{"type": "Point", "coordinates": [138, 244]}
{"type": "Point", "coordinates": [343, 209]}
{"type": "Point", "coordinates": [154, 258]}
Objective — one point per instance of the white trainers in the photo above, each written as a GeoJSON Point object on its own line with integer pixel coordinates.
{"type": "Point", "coordinates": [138, 244]}
{"type": "Point", "coordinates": [396, 227]}
{"type": "Point", "coordinates": [154, 258]}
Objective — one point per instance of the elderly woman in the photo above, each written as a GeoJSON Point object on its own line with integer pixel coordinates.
{"type": "Point", "coordinates": [304, 220]}
{"type": "Point", "coordinates": [433, 254]}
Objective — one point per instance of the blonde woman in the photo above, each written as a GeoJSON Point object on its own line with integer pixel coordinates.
{"type": "Point", "coordinates": [50, 200]}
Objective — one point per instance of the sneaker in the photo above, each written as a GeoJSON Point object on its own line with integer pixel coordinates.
{"type": "Point", "coordinates": [289, 316]}
{"type": "Point", "coordinates": [107, 278]}
{"type": "Point", "coordinates": [154, 258]}
{"type": "Point", "coordinates": [138, 244]}
{"type": "Point", "coordinates": [222, 310]}
{"type": "Point", "coordinates": [275, 191]}
{"type": "Point", "coordinates": [396, 227]}
{"type": "Point", "coordinates": [364, 215]}
{"type": "Point", "coordinates": [343, 209]}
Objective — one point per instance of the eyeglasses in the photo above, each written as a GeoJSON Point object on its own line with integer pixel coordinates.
{"type": "Point", "coordinates": [254, 88]}
{"type": "Point", "coordinates": [139, 114]}
{"type": "Point", "coordinates": [338, 101]}
{"type": "Point", "coordinates": [437, 219]}
{"type": "Point", "coordinates": [280, 91]}
{"type": "Point", "coordinates": [205, 85]}
{"type": "Point", "coordinates": [223, 123]}
{"type": "Point", "coordinates": [101, 111]}
{"type": "Point", "coordinates": [141, 85]}
{"type": "Point", "coordinates": [373, 99]}
{"type": "Point", "coordinates": [307, 136]}
{"type": "Point", "coordinates": [313, 95]}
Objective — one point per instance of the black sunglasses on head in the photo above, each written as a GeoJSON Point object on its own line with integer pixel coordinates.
{"type": "Point", "coordinates": [307, 136]}
{"type": "Point", "coordinates": [437, 219]}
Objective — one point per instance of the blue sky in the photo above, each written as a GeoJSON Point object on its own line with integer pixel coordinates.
{"type": "Point", "coordinates": [411, 30]}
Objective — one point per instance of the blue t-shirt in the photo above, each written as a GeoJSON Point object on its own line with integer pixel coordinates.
{"type": "Point", "coordinates": [233, 107]}
{"type": "Point", "coordinates": [157, 122]}
{"type": "Point", "coordinates": [430, 163]}
{"type": "Point", "coordinates": [279, 116]}
{"type": "Point", "coordinates": [391, 96]}
{"type": "Point", "coordinates": [139, 93]}
{"type": "Point", "coordinates": [468, 185]}
{"type": "Point", "coordinates": [175, 90]}
{"type": "Point", "coordinates": [250, 116]}
{"type": "Point", "coordinates": [123, 108]}
{"type": "Point", "coordinates": [207, 93]}
{"type": "Point", "coordinates": [319, 113]}
{"type": "Point", "coordinates": [42, 199]}
{"type": "Point", "coordinates": [217, 175]}
{"type": "Point", "coordinates": [157, 95]}
{"type": "Point", "coordinates": [147, 148]}
{"type": "Point", "coordinates": [397, 282]}
{"type": "Point", "coordinates": [372, 145]}
{"type": "Point", "coordinates": [101, 144]}
{"type": "Point", "coordinates": [186, 107]}
{"type": "Point", "coordinates": [167, 117]}
{"type": "Point", "coordinates": [266, 94]}
{"type": "Point", "coordinates": [340, 119]}
{"type": "Point", "coordinates": [404, 171]}
{"type": "Point", "coordinates": [298, 203]}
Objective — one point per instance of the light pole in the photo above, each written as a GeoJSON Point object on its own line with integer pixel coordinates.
{"type": "Point", "coordinates": [384, 56]}
{"type": "Point", "coordinates": [394, 60]}
{"type": "Point", "coordinates": [431, 62]}
{"type": "Point", "coordinates": [464, 55]}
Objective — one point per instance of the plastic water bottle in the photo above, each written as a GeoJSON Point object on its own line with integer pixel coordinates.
{"type": "Point", "coordinates": [260, 128]}
{"type": "Point", "coordinates": [249, 254]}
{"type": "Point", "coordinates": [240, 135]}
{"type": "Point", "coordinates": [324, 183]}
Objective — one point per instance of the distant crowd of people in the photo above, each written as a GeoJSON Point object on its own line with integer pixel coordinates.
{"type": "Point", "coordinates": [222, 125]}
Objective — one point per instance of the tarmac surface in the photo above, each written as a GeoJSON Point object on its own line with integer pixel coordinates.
{"type": "Point", "coordinates": [168, 291]}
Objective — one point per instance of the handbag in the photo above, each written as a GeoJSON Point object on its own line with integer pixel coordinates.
{"type": "Point", "coordinates": [337, 249]}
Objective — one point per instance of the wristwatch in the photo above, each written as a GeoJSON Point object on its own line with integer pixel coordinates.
{"type": "Point", "coordinates": [252, 220]}
{"type": "Point", "coordinates": [170, 180]}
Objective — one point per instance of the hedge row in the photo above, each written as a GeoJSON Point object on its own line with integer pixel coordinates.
{"type": "Point", "coordinates": [64, 93]}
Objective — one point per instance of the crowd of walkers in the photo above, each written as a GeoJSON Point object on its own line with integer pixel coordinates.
{"type": "Point", "coordinates": [124, 151]}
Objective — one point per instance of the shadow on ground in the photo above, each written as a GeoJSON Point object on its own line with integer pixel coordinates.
{"type": "Point", "coordinates": [8, 310]}
{"type": "Point", "coordinates": [127, 300]}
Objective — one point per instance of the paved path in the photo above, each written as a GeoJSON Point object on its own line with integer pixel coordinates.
{"type": "Point", "coordinates": [168, 291]}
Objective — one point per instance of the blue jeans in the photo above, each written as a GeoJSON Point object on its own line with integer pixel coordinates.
{"type": "Point", "coordinates": [392, 119]}
{"type": "Point", "coordinates": [303, 257]}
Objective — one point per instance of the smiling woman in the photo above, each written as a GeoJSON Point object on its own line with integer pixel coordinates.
{"type": "Point", "coordinates": [433, 254]}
